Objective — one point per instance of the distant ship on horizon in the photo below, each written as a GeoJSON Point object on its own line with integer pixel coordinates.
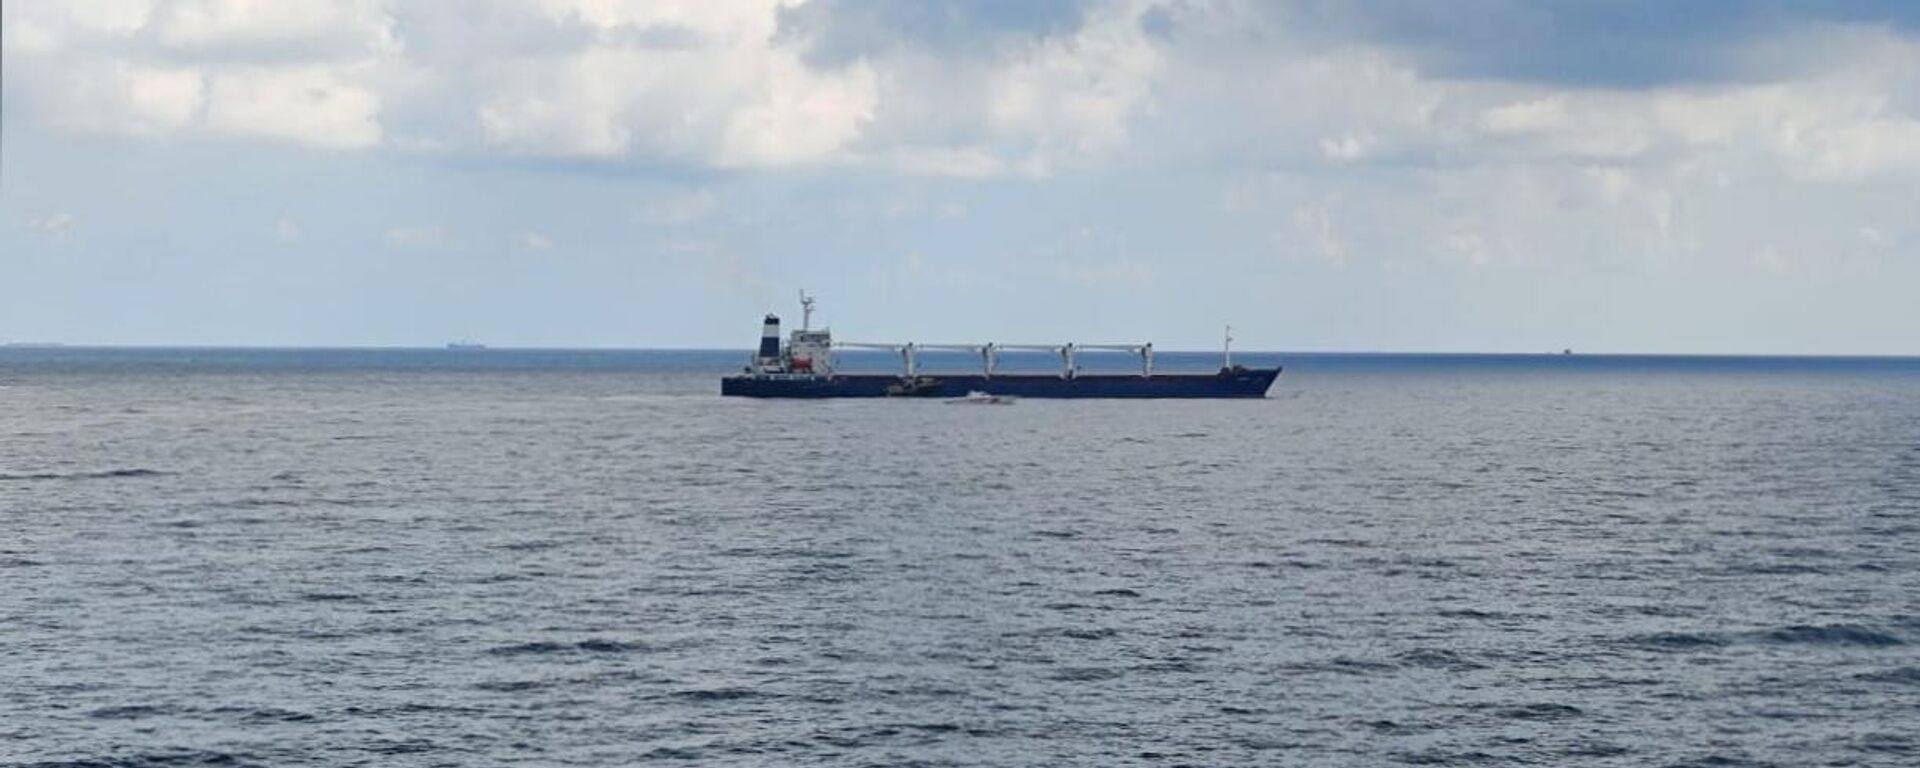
{"type": "Point", "coordinates": [804, 367]}
{"type": "Point", "coordinates": [465, 345]}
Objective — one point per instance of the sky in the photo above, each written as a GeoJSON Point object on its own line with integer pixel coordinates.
{"type": "Point", "coordinates": [1393, 175]}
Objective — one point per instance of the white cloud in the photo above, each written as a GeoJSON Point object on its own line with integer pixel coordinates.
{"type": "Point", "coordinates": [40, 27]}
{"type": "Point", "coordinates": [736, 95]}
{"type": "Point", "coordinates": [534, 241]}
{"type": "Point", "coordinates": [1469, 246]}
{"type": "Point", "coordinates": [1074, 97]}
{"type": "Point", "coordinates": [292, 28]}
{"type": "Point", "coordinates": [733, 100]}
{"type": "Point", "coordinates": [965, 163]}
{"type": "Point", "coordinates": [1347, 146]}
{"type": "Point", "coordinates": [1840, 126]}
{"type": "Point", "coordinates": [798, 116]}
{"type": "Point", "coordinates": [118, 96]}
{"type": "Point", "coordinates": [56, 226]}
{"type": "Point", "coordinates": [1529, 116]}
{"type": "Point", "coordinates": [717, 85]}
{"type": "Point", "coordinates": [307, 105]}
{"type": "Point", "coordinates": [1602, 127]}
{"type": "Point", "coordinates": [295, 70]}
{"type": "Point", "coordinates": [1850, 150]}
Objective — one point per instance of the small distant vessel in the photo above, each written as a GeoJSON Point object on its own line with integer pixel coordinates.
{"type": "Point", "coordinates": [465, 345]}
{"type": "Point", "coordinates": [976, 397]}
{"type": "Point", "coordinates": [804, 367]}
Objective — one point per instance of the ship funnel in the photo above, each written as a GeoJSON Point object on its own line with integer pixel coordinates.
{"type": "Point", "coordinates": [770, 338]}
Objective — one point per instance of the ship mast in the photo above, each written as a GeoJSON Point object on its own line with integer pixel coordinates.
{"type": "Point", "coordinates": [806, 310]}
{"type": "Point", "coordinates": [1226, 349]}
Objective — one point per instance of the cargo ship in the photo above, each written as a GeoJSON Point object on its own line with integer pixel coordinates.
{"type": "Point", "coordinates": [805, 367]}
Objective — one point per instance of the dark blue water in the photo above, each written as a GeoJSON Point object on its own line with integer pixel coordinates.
{"type": "Point", "coordinates": [269, 557]}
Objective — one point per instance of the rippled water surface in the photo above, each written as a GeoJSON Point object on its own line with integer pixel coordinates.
{"type": "Point", "coordinates": [480, 558]}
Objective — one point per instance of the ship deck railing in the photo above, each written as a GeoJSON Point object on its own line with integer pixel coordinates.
{"type": "Point", "coordinates": [989, 353]}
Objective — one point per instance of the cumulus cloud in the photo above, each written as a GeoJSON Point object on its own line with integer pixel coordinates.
{"type": "Point", "coordinates": [967, 90]}
{"type": "Point", "coordinates": [1819, 92]}
{"type": "Point", "coordinates": [837, 32]}
{"type": "Point", "coordinates": [270, 29]}
{"type": "Point", "coordinates": [295, 70]}
{"type": "Point", "coordinates": [719, 95]}
{"type": "Point", "coordinates": [309, 105]}
{"type": "Point", "coordinates": [118, 96]}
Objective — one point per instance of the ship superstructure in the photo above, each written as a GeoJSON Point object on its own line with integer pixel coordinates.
{"type": "Point", "coordinates": [808, 352]}
{"type": "Point", "coordinates": [805, 367]}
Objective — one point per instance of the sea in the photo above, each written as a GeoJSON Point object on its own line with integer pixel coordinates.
{"type": "Point", "coordinates": [435, 557]}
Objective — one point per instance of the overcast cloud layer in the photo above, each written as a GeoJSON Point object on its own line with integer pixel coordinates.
{"type": "Point", "coordinates": [1476, 175]}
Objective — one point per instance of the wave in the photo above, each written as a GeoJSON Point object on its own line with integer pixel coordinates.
{"type": "Point", "coordinates": [1269, 565]}
{"type": "Point", "coordinates": [1435, 658]}
{"type": "Point", "coordinates": [594, 645]}
{"type": "Point", "coordinates": [1085, 674]}
{"type": "Point", "coordinates": [1798, 634]}
{"type": "Point", "coordinates": [510, 686]}
{"type": "Point", "coordinates": [331, 597]}
{"type": "Point", "coordinates": [128, 712]}
{"type": "Point", "coordinates": [1680, 641]}
{"type": "Point", "coordinates": [608, 646]}
{"type": "Point", "coordinates": [1720, 761]}
{"type": "Point", "coordinates": [1342, 665]}
{"type": "Point", "coordinates": [107, 474]}
{"type": "Point", "coordinates": [268, 715]}
{"type": "Point", "coordinates": [1832, 634]}
{"type": "Point", "coordinates": [1542, 712]}
{"type": "Point", "coordinates": [717, 694]}
{"type": "Point", "coordinates": [155, 760]}
{"type": "Point", "coordinates": [1898, 676]}
{"type": "Point", "coordinates": [1470, 613]}
{"type": "Point", "coordinates": [1780, 569]}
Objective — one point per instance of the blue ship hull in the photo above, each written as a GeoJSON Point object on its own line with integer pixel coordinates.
{"type": "Point", "coordinates": [1237, 382]}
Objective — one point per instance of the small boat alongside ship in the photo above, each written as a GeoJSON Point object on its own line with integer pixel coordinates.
{"type": "Point", "coordinates": [804, 367]}
{"type": "Point", "coordinates": [977, 397]}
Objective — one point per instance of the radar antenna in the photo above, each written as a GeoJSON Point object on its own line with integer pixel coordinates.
{"type": "Point", "coordinates": [806, 310]}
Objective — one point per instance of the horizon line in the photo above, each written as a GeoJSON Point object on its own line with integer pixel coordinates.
{"type": "Point", "coordinates": [1567, 352]}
